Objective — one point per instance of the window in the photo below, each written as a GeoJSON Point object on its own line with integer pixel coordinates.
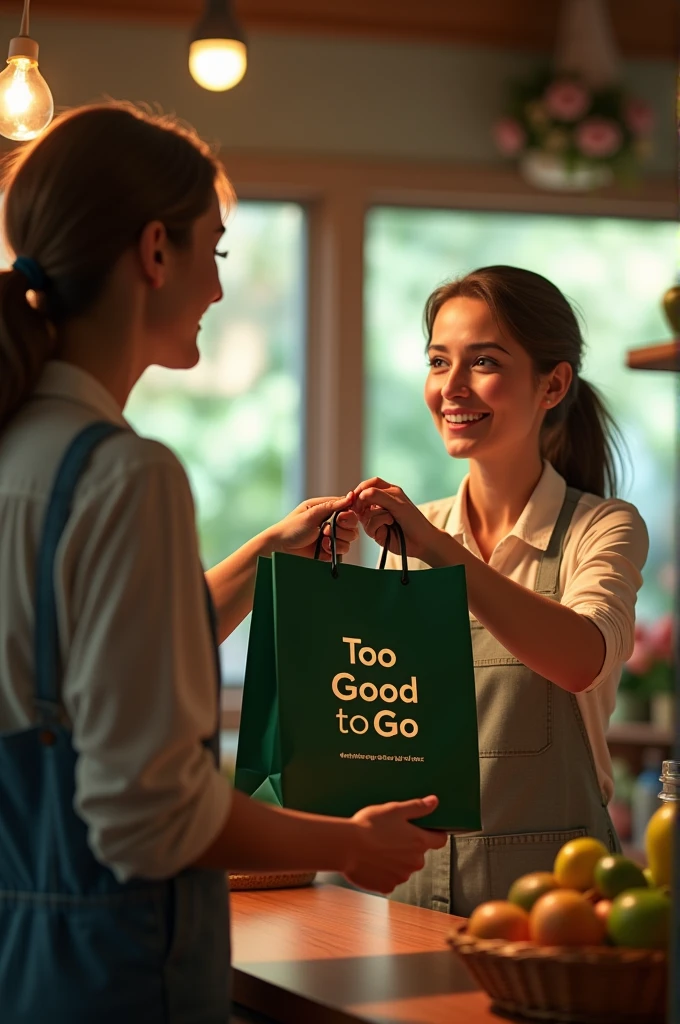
{"type": "Point", "coordinates": [235, 419]}
{"type": "Point", "coordinates": [615, 271]}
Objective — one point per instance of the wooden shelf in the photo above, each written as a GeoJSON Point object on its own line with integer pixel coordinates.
{"type": "Point", "coordinates": [631, 740]}
{"type": "Point", "coordinates": [663, 356]}
{"type": "Point", "coordinates": [643, 734]}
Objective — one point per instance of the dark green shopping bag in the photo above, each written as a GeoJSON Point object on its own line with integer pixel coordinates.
{"type": "Point", "coordinates": [360, 689]}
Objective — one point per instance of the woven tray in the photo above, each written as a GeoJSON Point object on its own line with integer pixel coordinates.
{"type": "Point", "coordinates": [281, 880]}
{"type": "Point", "coordinates": [597, 985]}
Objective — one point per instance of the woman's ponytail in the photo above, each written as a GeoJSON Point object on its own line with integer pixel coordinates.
{"type": "Point", "coordinates": [582, 441]}
{"type": "Point", "coordinates": [26, 343]}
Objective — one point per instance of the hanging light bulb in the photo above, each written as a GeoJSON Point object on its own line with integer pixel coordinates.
{"type": "Point", "coordinates": [217, 51]}
{"type": "Point", "coordinates": [26, 104]}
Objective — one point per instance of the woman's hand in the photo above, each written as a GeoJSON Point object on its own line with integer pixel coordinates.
{"type": "Point", "coordinates": [232, 581]}
{"type": "Point", "coordinates": [389, 847]}
{"type": "Point", "coordinates": [297, 534]}
{"type": "Point", "coordinates": [378, 504]}
{"type": "Point", "coordinates": [377, 848]}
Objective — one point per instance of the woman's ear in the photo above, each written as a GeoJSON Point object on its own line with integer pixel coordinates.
{"type": "Point", "coordinates": [152, 249]}
{"type": "Point", "coordinates": [556, 384]}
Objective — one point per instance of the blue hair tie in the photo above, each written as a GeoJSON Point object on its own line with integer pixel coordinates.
{"type": "Point", "coordinates": [32, 271]}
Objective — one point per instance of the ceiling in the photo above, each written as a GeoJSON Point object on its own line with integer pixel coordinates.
{"type": "Point", "coordinates": [643, 28]}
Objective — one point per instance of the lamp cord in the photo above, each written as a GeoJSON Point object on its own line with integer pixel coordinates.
{"type": "Point", "coordinates": [25, 28]}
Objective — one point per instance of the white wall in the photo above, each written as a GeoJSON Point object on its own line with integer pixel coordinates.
{"type": "Point", "coordinates": [316, 95]}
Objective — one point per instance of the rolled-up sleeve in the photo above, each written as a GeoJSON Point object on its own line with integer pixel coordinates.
{"type": "Point", "coordinates": [140, 679]}
{"type": "Point", "coordinates": [603, 587]}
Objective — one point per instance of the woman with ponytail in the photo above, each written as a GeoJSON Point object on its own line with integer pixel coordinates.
{"type": "Point", "coordinates": [116, 826]}
{"type": "Point", "coordinates": [553, 564]}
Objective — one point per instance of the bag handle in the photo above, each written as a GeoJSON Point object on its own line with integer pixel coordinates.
{"type": "Point", "coordinates": [335, 558]}
{"type": "Point", "coordinates": [394, 526]}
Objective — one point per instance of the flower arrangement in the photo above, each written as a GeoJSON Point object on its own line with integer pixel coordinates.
{"type": "Point", "coordinates": [649, 670]}
{"type": "Point", "coordinates": [577, 128]}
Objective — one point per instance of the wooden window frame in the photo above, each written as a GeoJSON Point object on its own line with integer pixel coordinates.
{"type": "Point", "coordinates": [336, 195]}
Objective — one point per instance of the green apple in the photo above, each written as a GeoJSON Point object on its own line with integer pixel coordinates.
{"type": "Point", "coordinates": [527, 889]}
{"type": "Point", "coordinates": [615, 873]}
{"type": "Point", "coordinates": [641, 919]}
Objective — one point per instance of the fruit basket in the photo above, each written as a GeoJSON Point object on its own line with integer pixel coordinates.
{"type": "Point", "coordinates": [594, 985]}
{"type": "Point", "coordinates": [271, 880]}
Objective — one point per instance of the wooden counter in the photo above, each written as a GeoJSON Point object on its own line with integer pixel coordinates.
{"type": "Point", "coordinates": [328, 955]}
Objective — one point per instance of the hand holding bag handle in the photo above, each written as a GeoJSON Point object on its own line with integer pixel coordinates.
{"type": "Point", "coordinates": [335, 558]}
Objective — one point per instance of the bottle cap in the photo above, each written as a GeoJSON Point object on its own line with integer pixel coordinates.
{"type": "Point", "coordinates": [670, 780]}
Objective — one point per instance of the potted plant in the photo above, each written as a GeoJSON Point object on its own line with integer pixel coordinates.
{"type": "Point", "coordinates": [647, 684]}
{"type": "Point", "coordinates": [573, 125]}
{"type": "Point", "coordinates": [659, 680]}
{"type": "Point", "coordinates": [569, 136]}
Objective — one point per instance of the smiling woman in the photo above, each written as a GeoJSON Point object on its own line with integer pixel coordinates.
{"type": "Point", "coordinates": [553, 565]}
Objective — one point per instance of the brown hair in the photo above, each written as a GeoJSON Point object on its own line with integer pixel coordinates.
{"type": "Point", "coordinates": [75, 200]}
{"type": "Point", "coordinates": [579, 436]}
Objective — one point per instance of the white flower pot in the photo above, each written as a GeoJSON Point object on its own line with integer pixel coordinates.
{"type": "Point", "coordinates": [547, 171]}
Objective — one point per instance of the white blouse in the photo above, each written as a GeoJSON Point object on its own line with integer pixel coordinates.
{"type": "Point", "coordinates": [139, 687]}
{"type": "Point", "coordinates": [604, 552]}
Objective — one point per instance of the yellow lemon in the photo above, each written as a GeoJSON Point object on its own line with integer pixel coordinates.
{"type": "Point", "coordinates": [659, 843]}
{"type": "Point", "coordinates": [575, 863]}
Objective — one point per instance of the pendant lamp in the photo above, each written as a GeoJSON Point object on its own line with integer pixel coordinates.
{"type": "Point", "coordinates": [217, 50]}
{"type": "Point", "coordinates": [26, 104]}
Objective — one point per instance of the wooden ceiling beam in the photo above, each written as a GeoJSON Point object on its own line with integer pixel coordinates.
{"type": "Point", "coordinates": [643, 28]}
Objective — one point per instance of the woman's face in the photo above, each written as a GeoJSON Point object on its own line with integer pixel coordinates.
{"type": "Point", "coordinates": [481, 389]}
{"type": "Point", "coordinates": [191, 284]}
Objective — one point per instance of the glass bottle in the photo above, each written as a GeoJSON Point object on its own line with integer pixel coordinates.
{"type": "Point", "coordinates": [659, 834]}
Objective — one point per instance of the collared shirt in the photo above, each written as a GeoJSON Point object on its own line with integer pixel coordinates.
{"type": "Point", "coordinates": [604, 552]}
{"type": "Point", "coordinates": [138, 687]}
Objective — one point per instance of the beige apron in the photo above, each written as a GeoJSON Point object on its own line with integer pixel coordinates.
{"type": "Point", "coordinates": [539, 785]}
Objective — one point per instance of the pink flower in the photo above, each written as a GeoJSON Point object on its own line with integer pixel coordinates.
{"type": "Point", "coordinates": [642, 658]}
{"type": "Point", "coordinates": [639, 117]}
{"type": "Point", "coordinates": [566, 101]}
{"type": "Point", "coordinates": [509, 136]}
{"type": "Point", "coordinates": [660, 638]}
{"type": "Point", "coordinates": [598, 137]}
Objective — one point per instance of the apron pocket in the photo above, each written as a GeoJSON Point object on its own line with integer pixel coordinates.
{"type": "Point", "coordinates": [486, 866]}
{"type": "Point", "coordinates": [514, 709]}
{"type": "Point", "coordinates": [512, 856]}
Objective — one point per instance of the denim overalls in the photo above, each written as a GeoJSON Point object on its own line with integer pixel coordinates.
{"type": "Point", "coordinates": [77, 946]}
{"type": "Point", "coordinates": [539, 785]}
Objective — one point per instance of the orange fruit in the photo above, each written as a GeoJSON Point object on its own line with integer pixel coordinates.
{"type": "Point", "coordinates": [527, 889]}
{"type": "Point", "coordinates": [575, 863]}
{"type": "Point", "coordinates": [499, 919]}
{"type": "Point", "coordinates": [602, 908]}
{"type": "Point", "coordinates": [565, 918]}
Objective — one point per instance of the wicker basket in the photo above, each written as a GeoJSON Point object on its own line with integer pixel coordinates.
{"type": "Point", "coordinates": [597, 985]}
{"type": "Point", "coordinates": [280, 880]}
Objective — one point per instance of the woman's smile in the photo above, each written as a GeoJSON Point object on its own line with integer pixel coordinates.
{"type": "Point", "coordinates": [460, 421]}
